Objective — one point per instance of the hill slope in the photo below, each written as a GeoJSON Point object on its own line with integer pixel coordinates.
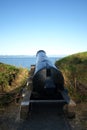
{"type": "Point", "coordinates": [11, 77]}
{"type": "Point", "coordinates": [74, 69]}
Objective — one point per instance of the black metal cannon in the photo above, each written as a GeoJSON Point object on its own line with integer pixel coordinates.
{"type": "Point", "coordinates": [46, 86]}
{"type": "Point", "coordinates": [47, 78]}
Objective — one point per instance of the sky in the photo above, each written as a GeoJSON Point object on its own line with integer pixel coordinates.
{"type": "Point", "coordinates": [57, 26]}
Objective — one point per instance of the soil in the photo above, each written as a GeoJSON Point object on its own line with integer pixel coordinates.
{"type": "Point", "coordinates": [9, 118]}
{"type": "Point", "coordinates": [80, 121]}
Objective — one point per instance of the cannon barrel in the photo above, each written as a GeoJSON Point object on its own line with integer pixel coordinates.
{"type": "Point", "coordinates": [47, 78]}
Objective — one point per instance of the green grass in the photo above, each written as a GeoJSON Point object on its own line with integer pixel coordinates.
{"type": "Point", "coordinates": [74, 69]}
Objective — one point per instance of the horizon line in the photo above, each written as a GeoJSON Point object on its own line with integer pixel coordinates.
{"type": "Point", "coordinates": [33, 55]}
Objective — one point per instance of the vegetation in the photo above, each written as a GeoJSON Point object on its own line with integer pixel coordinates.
{"type": "Point", "coordinates": [11, 80]}
{"type": "Point", "coordinates": [74, 69]}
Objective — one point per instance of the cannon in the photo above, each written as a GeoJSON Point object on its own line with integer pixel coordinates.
{"type": "Point", "coordinates": [45, 85]}
{"type": "Point", "coordinates": [47, 79]}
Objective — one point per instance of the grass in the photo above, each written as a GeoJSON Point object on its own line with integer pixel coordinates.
{"type": "Point", "coordinates": [11, 81]}
{"type": "Point", "coordinates": [74, 69]}
{"type": "Point", "coordinates": [8, 74]}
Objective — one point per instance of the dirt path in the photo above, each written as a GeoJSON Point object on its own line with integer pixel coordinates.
{"type": "Point", "coordinates": [8, 117]}
{"type": "Point", "coordinates": [43, 117]}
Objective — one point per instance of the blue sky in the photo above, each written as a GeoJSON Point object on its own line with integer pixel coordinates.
{"type": "Point", "coordinates": [57, 26]}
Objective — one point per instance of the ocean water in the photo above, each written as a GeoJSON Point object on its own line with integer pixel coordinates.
{"type": "Point", "coordinates": [25, 61]}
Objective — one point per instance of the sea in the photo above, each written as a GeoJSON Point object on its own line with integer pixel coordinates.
{"type": "Point", "coordinates": [23, 61]}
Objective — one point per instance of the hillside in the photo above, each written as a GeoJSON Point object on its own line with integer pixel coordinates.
{"type": "Point", "coordinates": [11, 81]}
{"type": "Point", "coordinates": [74, 69]}
{"type": "Point", "coordinates": [11, 77]}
